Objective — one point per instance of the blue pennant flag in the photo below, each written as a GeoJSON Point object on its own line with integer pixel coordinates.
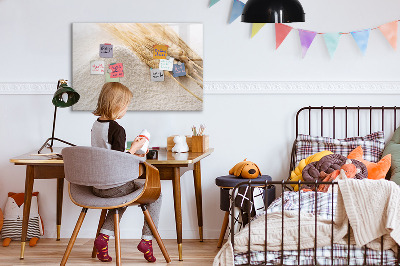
{"type": "Point", "coordinates": [332, 41]}
{"type": "Point", "coordinates": [213, 2]}
{"type": "Point", "coordinates": [237, 9]}
{"type": "Point", "coordinates": [361, 37]}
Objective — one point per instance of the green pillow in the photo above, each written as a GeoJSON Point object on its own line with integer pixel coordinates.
{"type": "Point", "coordinates": [393, 148]}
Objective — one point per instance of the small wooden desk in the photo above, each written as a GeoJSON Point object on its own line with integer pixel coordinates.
{"type": "Point", "coordinates": [171, 167]}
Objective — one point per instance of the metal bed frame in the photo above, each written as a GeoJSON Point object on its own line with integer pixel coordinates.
{"type": "Point", "coordinates": [283, 184]}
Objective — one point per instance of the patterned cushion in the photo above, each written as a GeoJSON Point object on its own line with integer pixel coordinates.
{"type": "Point", "coordinates": [372, 144]}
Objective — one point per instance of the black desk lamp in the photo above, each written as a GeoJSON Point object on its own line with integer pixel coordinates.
{"type": "Point", "coordinates": [64, 97]}
{"type": "Point", "coordinates": [273, 11]}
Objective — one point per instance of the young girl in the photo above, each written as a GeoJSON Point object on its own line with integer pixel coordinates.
{"type": "Point", "coordinates": [107, 133]}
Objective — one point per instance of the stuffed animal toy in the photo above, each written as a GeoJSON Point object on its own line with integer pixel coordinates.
{"type": "Point", "coordinates": [245, 169]}
{"type": "Point", "coordinates": [180, 144]}
{"type": "Point", "coordinates": [13, 215]}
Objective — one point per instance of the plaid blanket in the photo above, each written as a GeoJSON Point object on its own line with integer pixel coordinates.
{"type": "Point", "coordinates": [340, 254]}
{"type": "Point", "coordinates": [323, 205]}
{"type": "Point", "coordinates": [306, 201]}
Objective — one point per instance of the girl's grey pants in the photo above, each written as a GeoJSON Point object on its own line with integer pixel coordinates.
{"type": "Point", "coordinates": [154, 208]}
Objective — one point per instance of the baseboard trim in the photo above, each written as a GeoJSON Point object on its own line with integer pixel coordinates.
{"type": "Point", "coordinates": [246, 87]}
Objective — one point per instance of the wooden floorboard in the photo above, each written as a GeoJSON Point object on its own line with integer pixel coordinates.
{"type": "Point", "coordinates": [50, 252]}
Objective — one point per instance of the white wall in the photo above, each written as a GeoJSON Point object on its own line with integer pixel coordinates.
{"type": "Point", "coordinates": [36, 47]}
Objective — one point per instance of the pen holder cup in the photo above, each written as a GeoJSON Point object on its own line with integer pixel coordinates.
{"type": "Point", "coordinates": [200, 143]}
{"type": "Point", "coordinates": [152, 155]}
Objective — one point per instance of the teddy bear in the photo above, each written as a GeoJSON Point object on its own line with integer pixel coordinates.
{"type": "Point", "coordinates": [13, 215]}
{"type": "Point", "coordinates": [180, 144]}
{"type": "Point", "coordinates": [245, 169]}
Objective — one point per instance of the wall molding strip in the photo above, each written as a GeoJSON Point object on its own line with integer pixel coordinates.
{"type": "Point", "coordinates": [28, 88]}
{"type": "Point", "coordinates": [244, 87]}
{"type": "Point", "coordinates": [303, 87]}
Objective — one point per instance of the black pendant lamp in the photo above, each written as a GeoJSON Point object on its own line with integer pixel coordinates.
{"type": "Point", "coordinates": [273, 11]}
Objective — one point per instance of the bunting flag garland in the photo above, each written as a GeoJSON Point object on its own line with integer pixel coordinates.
{"type": "Point", "coordinates": [389, 30]}
{"type": "Point", "coordinates": [281, 31]}
{"type": "Point", "coordinates": [306, 39]}
{"type": "Point", "coordinates": [213, 2]}
{"type": "Point", "coordinates": [256, 27]}
{"type": "Point", "coordinates": [237, 9]}
{"type": "Point", "coordinates": [332, 41]}
{"type": "Point", "coordinates": [361, 37]}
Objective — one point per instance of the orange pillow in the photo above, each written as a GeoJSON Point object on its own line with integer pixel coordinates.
{"type": "Point", "coordinates": [375, 170]}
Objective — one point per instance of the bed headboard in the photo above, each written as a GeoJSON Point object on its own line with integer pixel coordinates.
{"type": "Point", "coordinates": [347, 116]}
{"type": "Point", "coordinates": [344, 121]}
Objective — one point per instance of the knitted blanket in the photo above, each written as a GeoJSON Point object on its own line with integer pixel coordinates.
{"type": "Point", "coordinates": [371, 207]}
{"type": "Point", "coordinates": [274, 235]}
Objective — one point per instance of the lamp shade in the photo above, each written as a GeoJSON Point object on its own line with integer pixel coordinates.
{"type": "Point", "coordinates": [273, 11]}
{"type": "Point", "coordinates": [65, 96]}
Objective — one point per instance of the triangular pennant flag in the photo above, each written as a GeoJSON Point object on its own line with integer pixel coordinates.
{"type": "Point", "coordinates": [213, 2]}
{"type": "Point", "coordinates": [256, 28]}
{"type": "Point", "coordinates": [237, 9]}
{"type": "Point", "coordinates": [306, 39]}
{"type": "Point", "coordinates": [389, 30]}
{"type": "Point", "coordinates": [361, 37]}
{"type": "Point", "coordinates": [332, 41]}
{"type": "Point", "coordinates": [281, 31]}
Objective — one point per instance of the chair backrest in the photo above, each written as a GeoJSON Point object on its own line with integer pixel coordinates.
{"type": "Point", "coordinates": [92, 166]}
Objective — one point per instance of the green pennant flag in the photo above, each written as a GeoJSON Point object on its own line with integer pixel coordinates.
{"type": "Point", "coordinates": [213, 2]}
{"type": "Point", "coordinates": [332, 41]}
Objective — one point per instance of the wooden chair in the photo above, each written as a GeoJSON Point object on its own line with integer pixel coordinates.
{"type": "Point", "coordinates": [85, 167]}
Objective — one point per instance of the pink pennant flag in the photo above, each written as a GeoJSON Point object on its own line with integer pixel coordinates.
{"type": "Point", "coordinates": [306, 39]}
{"type": "Point", "coordinates": [389, 30]}
{"type": "Point", "coordinates": [281, 31]}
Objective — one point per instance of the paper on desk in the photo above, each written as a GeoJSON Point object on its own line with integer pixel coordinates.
{"type": "Point", "coordinates": [53, 155]}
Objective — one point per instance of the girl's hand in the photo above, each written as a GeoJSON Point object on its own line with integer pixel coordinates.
{"type": "Point", "coordinates": [142, 155]}
{"type": "Point", "coordinates": [137, 144]}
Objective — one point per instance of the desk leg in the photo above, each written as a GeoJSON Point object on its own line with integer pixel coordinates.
{"type": "Point", "coordinates": [60, 190]}
{"type": "Point", "coordinates": [199, 204]}
{"type": "Point", "coordinates": [176, 182]}
{"type": "Point", "coordinates": [27, 206]}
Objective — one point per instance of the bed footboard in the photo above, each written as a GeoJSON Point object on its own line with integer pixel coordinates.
{"type": "Point", "coordinates": [383, 258]}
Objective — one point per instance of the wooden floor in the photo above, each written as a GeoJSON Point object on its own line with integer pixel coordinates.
{"type": "Point", "coordinates": [50, 252]}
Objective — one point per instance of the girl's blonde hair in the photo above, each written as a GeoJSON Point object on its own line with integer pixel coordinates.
{"type": "Point", "coordinates": [114, 96]}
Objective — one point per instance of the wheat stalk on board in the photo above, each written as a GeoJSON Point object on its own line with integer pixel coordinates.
{"type": "Point", "coordinates": [141, 38]}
